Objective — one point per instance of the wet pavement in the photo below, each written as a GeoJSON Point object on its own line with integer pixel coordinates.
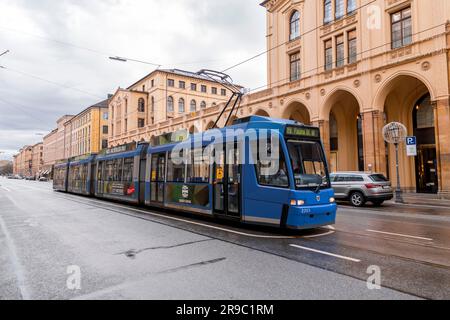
{"type": "Point", "coordinates": [128, 252]}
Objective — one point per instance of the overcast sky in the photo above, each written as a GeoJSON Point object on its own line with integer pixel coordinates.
{"type": "Point", "coordinates": [60, 44]}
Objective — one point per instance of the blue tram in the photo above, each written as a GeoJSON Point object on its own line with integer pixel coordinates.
{"type": "Point", "coordinates": [233, 183]}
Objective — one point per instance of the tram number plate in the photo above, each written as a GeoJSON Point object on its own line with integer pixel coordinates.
{"type": "Point", "coordinates": [306, 211]}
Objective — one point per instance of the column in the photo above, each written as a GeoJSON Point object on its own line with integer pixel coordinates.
{"type": "Point", "coordinates": [374, 146]}
{"type": "Point", "coordinates": [324, 126]}
{"type": "Point", "coordinates": [442, 125]}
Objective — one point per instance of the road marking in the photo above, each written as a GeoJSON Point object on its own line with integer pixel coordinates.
{"type": "Point", "coordinates": [6, 189]}
{"type": "Point", "coordinates": [18, 268]}
{"type": "Point", "coordinates": [326, 253]}
{"type": "Point", "coordinates": [400, 235]}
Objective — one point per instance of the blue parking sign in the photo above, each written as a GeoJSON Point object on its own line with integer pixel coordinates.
{"type": "Point", "coordinates": [411, 141]}
{"type": "Point", "coordinates": [411, 146]}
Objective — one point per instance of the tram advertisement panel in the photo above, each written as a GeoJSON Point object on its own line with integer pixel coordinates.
{"type": "Point", "coordinates": [196, 195]}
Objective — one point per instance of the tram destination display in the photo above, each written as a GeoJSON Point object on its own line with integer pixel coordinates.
{"type": "Point", "coordinates": [302, 132]}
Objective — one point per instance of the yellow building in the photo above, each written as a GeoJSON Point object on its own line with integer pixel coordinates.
{"type": "Point", "coordinates": [87, 132]}
{"type": "Point", "coordinates": [159, 101]}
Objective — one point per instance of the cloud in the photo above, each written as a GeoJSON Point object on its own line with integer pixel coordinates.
{"type": "Point", "coordinates": [187, 34]}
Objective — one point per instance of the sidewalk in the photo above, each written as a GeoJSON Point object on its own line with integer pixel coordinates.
{"type": "Point", "coordinates": [425, 199]}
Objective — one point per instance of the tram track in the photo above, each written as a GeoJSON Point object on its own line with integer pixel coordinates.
{"type": "Point", "coordinates": [140, 213]}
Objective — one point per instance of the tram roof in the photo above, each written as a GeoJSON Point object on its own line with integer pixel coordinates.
{"type": "Point", "coordinates": [252, 122]}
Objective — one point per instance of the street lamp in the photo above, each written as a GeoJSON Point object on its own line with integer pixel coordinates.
{"type": "Point", "coordinates": [394, 133]}
{"type": "Point", "coordinates": [122, 59]}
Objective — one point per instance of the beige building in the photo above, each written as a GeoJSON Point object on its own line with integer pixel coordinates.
{"type": "Point", "coordinates": [54, 145]}
{"type": "Point", "coordinates": [23, 162]}
{"type": "Point", "coordinates": [87, 132]}
{"type": "Point", "coordinates": [163, 100]}
{"type": "Point", "coordinates": [37, 160]}
{"type": "Point", "coordinates": [352, 66]}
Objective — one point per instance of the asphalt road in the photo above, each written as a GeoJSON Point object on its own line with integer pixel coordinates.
{"type": "Point", "coordinates": [50, 240]}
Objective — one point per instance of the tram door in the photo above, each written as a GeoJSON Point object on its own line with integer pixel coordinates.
{"type": "Point", "coordinates": [227, 183]}
{"type": "Point", "coordinates": [158, 177]}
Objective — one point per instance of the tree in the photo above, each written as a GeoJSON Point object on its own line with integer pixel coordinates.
{"type": "Point", "coordinates": [6, 168]}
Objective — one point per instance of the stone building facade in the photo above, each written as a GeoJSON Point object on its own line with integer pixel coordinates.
{"type": "Point", "coordinates": [352, 66]}
{"type": "Point", "coordinates": [163, 101]}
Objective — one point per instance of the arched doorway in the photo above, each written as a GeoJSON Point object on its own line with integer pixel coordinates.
{"type": "Point", "coordinates": [210, 125]}
{"type": "Point", "coordinates": [346, 134]}
{"type": "Point", "coordinates": [407, 100]}
{"type": "Point", "coordinates": [426, 160]}
{"type": "Point", "coordinates": [297, 111]}
{"type": "Point", "coordinates": [262, 113]}
{"type": "Point", "coordinates": [193, 130]}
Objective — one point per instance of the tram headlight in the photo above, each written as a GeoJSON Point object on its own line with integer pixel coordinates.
{"type": "Point", "coordinates": [297, 203]}
{"type": "Point", "coordinates": [332, 200]}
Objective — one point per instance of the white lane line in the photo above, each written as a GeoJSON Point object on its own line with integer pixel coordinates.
{"type": "Point", "coordinates": [326, 253]}
{"type": "Point", "coordinates": [400, 235]}
{"type": "Point", "coordinates": [6, 189]}
{"type": "Point", "coordinates": [18, 268]}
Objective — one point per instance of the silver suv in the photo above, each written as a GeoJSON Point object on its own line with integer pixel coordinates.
{"type": "Point", "coordinates": [360, 187]}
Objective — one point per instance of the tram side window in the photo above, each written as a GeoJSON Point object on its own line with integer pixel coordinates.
{"type": "Point", "coordinates": [198, 169]}
{"type": "Point", "coordinates": [175, 172]}
{"type": "Point", "coordinates": [128, 167]}
{"type": "Point", "coordinates": [280, 178]}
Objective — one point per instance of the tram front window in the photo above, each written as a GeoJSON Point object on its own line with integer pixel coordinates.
{"type": "Point", "coordinates": [308, 164]}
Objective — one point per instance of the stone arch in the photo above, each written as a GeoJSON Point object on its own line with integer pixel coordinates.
{"type": "Point", "coordinates": [262, 113]}
{"type": "Point", "coordinates": [400, 97]}
{"type": "Point", "coordinates": [297, 111]}
{"type": "Point", "coordinates": [193, 130]}
{"type": "Point", "coordinates": [210, 125]}
{"type": "Point", "coordinates": [342, 115]}
{"type": "Point", "coordinates": [391, 82]}
{"type": "Point", "coordinates": [324, 112]}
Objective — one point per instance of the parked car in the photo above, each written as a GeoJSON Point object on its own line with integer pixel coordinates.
{"type": "Point", "coordinates": [43, 179]}
{"type": "Point", "coordinates": [362, 187]}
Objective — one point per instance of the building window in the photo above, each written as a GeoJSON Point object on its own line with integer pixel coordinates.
{"type": "Point", "coordinates": [328, 11]}
{"type": "Point", "coordinates": [340, 52]}
{"type": "Point", "coordinates": [351, 6]}
{"type": "Point", "coordinates": [214, 90]}
{"type": "Point", "coordinates": [339, 9]}
{"type": "Point", "coordinates": [295, 66]}
{"type": "Point", "coordinates": [105, 115]}
{"type": "Point", "coordinates": [181, 108]}
{"type": "Point", "coordinates": [352, 48]}
{"type": "Point", "coordinates": [294, 26]}
{"type": "Point", "coordinates": [170, 104]}
{"type": "Point", "coordinates": [193, 87]}
{"type": "Point", "coordinates": [105, 129]}
{"type": "Point", "coordinates": [141, 123]}
{"type": "Point", "coordinates": [401, 28]}
{"type": "Point", "coordinates": [328, 54]}
{"type": "Point", "coordinates": [223, 92]}
{"type": "Point", "coordinates": [104, 144]}
{"type": "Point", "coordinates": [153, 104]}
{"type": "Point", "coordinates": [203, 105]}
{"type": "Point", "coordinates": [204, 89]}
{"type": "Point", "coordinates": [153, 83]}
{"type": "Point", "coordinates": [182, 85]}
{"type": "Point", "coordinates": [193, 106]}
{"type": "Point", "coordinates": [141, 105]}
{"type": "Point", "coordinates": [126, 125]}
{"type": "Point", "coordinates": [143, 88]}
{"type": "Point", "coordinates": [171, 83]}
